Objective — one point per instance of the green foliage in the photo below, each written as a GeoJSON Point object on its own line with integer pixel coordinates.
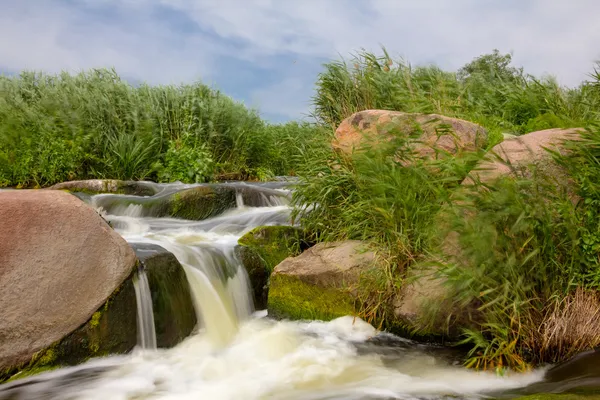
{"type": "Point", "coordinates": [94, 125]}
{"type": "Point", "coordinates": [382, 194]}
{"type": "Point", "coordinates": [583, 164]}
{"type": "Point", "coordinates": [518, 243]}
{"type": "Point", "coordinates": [186, 164]}
{"type": "Point", "coordinates": [487, 90]}
{"type": "Point", "coordinates": [526, 245]}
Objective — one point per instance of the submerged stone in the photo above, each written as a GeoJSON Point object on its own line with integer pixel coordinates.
{"type": "Point", "coordinates": [261, 249]}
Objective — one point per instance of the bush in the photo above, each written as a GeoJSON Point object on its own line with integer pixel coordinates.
{"type": "Point", "coordinates": [528, 264]}
{"type": "Point", "coordinates": [94, 125]}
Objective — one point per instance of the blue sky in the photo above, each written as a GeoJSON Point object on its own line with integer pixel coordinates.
{"type": "Point", "coordinates": [267, 53]}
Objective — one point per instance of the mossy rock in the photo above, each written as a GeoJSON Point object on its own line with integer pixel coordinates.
{"type": "Point", "coordinates": [195, 204]}
{"type": "Point", "coordinates": [261, 249]}
{"type": "Point", "coordinates": [97, 186]}
{"type": "Point", "coordinates": [321, 282]}
{"type": "Point", "coordinates": [112, 329]}
{"type": "Point", "coordinates": [199, 203]}
{"type": "Point", "coordinates": [173, 309]}
{"type": "Point", "coordinates": [290, 297]}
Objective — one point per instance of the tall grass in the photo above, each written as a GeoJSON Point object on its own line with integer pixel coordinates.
{"type": "Point", "coordinates": [487, 91]}
{"type": "Point", "coordinates": [528, 264]}
{"type": "Point", "coordinates": [384, 194]}
{"type": "Point", "coordinates": [94, 125]}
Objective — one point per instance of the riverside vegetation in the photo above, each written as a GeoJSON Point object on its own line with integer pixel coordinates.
{"type": "Point", "coordinates": [530, 253]}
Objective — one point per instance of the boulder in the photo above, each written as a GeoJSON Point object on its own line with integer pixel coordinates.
{"type": "Point", "coordinates": [517, 155]}
{"type": "Point", "coordinates": [428, 132]}
{"type": "Point", "coordinates": [262, 249]}
{"type": "Point", "coordinates": [59, 263]}
{"type": "Point", "coordinates": [320, 282]}
{"type": "Point", "coordinates": [95, 186]}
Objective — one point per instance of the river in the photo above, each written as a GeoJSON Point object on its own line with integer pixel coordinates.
{"type": "Point", "coordinates": [238, 352]}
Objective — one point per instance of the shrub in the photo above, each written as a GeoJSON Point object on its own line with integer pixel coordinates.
{"type": "Point", "coordinates": [94, 125]}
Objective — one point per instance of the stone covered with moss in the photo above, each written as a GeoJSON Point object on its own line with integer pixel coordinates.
{"type": "Point", "coordinates": [199, 203]}
{"type": "Point", "coordinates": [290, 297]}
{"type": "Point", "coordinates": [321, 282]}
{"type": "Point", "coordinates": [112, 329]}
{"type": "Point", "coordinates": [174, 314]}
{"type": "Point", "coordinates": [261, 249]}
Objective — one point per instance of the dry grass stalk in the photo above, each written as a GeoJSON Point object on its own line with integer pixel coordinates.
{"type": "Point", "coordinates": [570, 325]}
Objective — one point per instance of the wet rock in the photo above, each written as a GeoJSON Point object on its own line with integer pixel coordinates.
{"type": "Point", "coordinates": [318, 284]}
{"type": "Point", "coordinates": [174, 314]}
{"type": "Point", "coordinates": [95, 186]}
{"type": "Point", "coordinates": [196, 203]}
{"type": "Point", "coordinates": [112, 329]}
{"type": "Point", "coordinates": [256, 196]}
{"type": "Point", "coordinates": [428, 132]}
{"type": "Point", "coordinates": [581, 371]}
{"type": "Point", "coordinates": [59, 263]}
{"type": "Point", "coordinates": [262, 249]}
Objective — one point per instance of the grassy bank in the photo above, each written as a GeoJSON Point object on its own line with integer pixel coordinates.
{"type": "Point", "coordinates": [530, 265]}
{"type": "Point", "coordinates": [94, 125]}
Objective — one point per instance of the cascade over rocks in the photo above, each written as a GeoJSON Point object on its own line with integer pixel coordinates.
{"type": "Point", "coordinates": [430, 132]}
{"type": "Point", "coordinates": [173, 309]}
{"type": "Point", "coordinates": [59, 263]}
{"type": "Point", "coordinates": [318, 284]}
{"type": "Point", "coordinates": [195, 203]}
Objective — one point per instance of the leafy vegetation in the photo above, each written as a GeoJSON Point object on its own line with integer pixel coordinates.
{"type": "Point", "coordinates": [94, 125]}
{"type": "Point", "coordinates": [488, 91]}
{"type": "Point", "coordinates": [529, 246]}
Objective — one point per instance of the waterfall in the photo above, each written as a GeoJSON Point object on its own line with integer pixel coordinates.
{"type": "Point", "coordinates": [234, 354]}
{"type": "Point", "coordinates": [145, 314]}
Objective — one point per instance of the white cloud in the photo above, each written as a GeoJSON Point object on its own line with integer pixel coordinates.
{"type": "Point", "coordinates": [55, 37]}
{"type": "Point", "coordinates": [546, 36]}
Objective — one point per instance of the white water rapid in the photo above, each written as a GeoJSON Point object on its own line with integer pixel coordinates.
{"type": "Point", "coordinates": [241, 354]}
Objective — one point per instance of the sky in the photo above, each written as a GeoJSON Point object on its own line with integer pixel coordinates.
{"type": "Point", "coordinates": [267, 53]}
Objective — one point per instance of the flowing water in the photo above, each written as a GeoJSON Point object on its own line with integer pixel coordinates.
{"type": "Point", "coordinates": [145, 316]}
{"type": "Point", "coordinates": [239, 353]}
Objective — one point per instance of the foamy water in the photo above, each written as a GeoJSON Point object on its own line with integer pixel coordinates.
{"type": "Point", "coordinates": [238, 353]}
